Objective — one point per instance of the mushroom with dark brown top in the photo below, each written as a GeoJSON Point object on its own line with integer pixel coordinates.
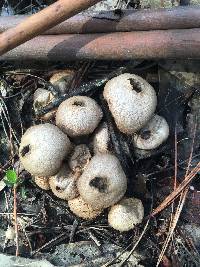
{"type": "Point", "coordinates": [63, 184]}
{"type": "Point", "coordinates": [131, 100]}
{"type": "Point", "coordinates": [43, 148]}
{"type": "Point", "coordinates": [155, 132]}
{"type": "Point", "coordinates": [78, 116]}
{"type": "Point", "coordinates": [103, 182]}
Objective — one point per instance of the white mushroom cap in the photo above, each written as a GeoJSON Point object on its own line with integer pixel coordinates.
{"type": "Point", "coordinates": [41, 98]}
{"type": "Point", "coordinates": [43, 148]}
{"type": "Point", "coordinates": [124, 215]}
{"type": "Point", "coordinates": [131, 100]}
{"type": "Point", "coordinates": [10, 233]}
{"type": "Point", "coordinates": [63, 184]}
{"type": "Point", "coordinates": [42, 182]}
{"type": "Point", "coordinates": [83, 210]}
{"type": "Point", "coordinates": [79, 158]}
{"type": "Point", "coordinates": [101, 139]}
{"type": "Point", "coordinates": [103, 182]}
{"type": "Point", "coordinates": [155, 132]}
{"type": "Point", "coordinates": [78, 115]}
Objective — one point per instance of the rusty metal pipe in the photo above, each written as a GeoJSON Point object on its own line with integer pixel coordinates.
{"type": "Point", "coordinates": [109, 21]}
{"type": "Point", "coordinates": [41, 21]}
{"type": "Point", "coordinates": [111, 46]}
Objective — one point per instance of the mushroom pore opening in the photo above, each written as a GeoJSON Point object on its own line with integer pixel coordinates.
{"type": "Point", "coordinates": [145, 134]}
{"type": "Point", "coordinates": [99, 183]}
{"type": "Point", "coordinates": [58, 188]}
{"type": "Point", "coordinates": [78, 103]}
{"type": "Point", "coordinates": [25, 150]}
{"type": "Point", "coordinates": [135, 85]}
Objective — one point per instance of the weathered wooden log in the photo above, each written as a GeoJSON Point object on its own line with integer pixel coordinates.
{"type": "Point", "coordinates": [127, 20]}
{"type": "Point", "coordinates": [41, 21]}
{"type": "Point", "coordinates": [111, 46]}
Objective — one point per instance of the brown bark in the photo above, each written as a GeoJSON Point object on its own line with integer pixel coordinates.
{"type": "Point", "coordinates": [112, 46]}
{"type": "Point", "coordinates": [134, 20]}
{"type": "Point", "coordinates": [42, 21]}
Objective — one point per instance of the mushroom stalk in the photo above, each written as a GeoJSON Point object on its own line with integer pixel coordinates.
{"type": "Point", "coordinates": [113, 46]}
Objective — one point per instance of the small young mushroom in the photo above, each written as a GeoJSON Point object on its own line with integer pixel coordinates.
{"type": "Point", "coordinates": [83, 210]}
{"type": "Point", "coordinates": [101, 139]}
{"type": "Point", "coordinates": [78, 115]}
{"type": "Point", "coordinates": [103, 182]}
{"type": "Point", "coordinates": [10, 233]}
{"type": "Point", "coordinates": [124, 215]}
{"type": "Point", "coordinates": [62, 80]}
{"type": "Point", "coordinates": [79, 158]}
{"type": "Point", "coordinates": [63, 184]}
{"type": "Point", "coordinates": [43, 148]}
{"type": "Point", "coordinates": [41, 98]}
{"type": "Point", "coordinates": [42, 182]}
{"type": "Point", "coordinates": [155, 132]}
{"type": "Point", "coordinates": [131, 100]}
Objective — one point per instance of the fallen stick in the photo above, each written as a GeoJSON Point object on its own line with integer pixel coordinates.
{"type": "Point", "coordinates": [128, 20]}
{"type": "Point", "coordinates": [112, 46]}
{"type": "Point", "coordinates": [41, 21]}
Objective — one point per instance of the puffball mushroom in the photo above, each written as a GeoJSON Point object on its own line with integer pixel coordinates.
{"type": "Point", "coordinates": [43, 148]}
{"type": "Point", "coordinates": [101, 139]}
{"type": "Point", "coordinates": [63, 184]}
{"type": "Point", "coordinates": [78, 115]}
{"type": "Point", "coordinates": [62, 80]}
{"type": "Point", "coordinates": [79, 158]}
{"type": "Point", "coordinates": [124, 215]}
{"type": "Point", "coordinates": [10, 233]}
{"type": "Point", "coordinates": [82, 209]}
{"type": "Point", "coordinates": [155, 132]}
{"type": "Point", "coordinates": [41, 98]}
{"type": "Point", "coordinates": [42, 182]}
{"type": "Point", "coordinates": [103, 182]}
{"type": "Point", "coordinates": [131, 100]}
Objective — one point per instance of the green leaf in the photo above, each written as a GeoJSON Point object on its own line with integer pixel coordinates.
{"type": "Point", "coordinates": [11, 177]}
{"type": "Point", "coordinates": [8, 183]}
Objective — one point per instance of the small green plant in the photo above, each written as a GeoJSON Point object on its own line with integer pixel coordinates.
{"type": "Point", "coordinates": [11, 178]}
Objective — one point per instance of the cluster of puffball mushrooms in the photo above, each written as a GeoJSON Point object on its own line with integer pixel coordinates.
{"type": "Point", "coordinates": [89, 176]}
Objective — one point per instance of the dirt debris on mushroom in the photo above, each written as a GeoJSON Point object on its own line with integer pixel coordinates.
{"type": "Point", "coordinates": [82, 209]}
{"type": "Point", "coordinates": [127, 213]}
{"type": "Point", "coordinates": [78, 116]}
{"type": "Point", "coordinates": [103, 182]}
{"type": "Point", "coordinates": [79, 158]}
{"type": "Point", "coordinates": [131, 100]}
{"type": "Point", "coordinates": [155, 132]}
{"type": "Point", "coordinates": [63, 184]}
{"type": "Point", "coordinates": [43, 148]}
